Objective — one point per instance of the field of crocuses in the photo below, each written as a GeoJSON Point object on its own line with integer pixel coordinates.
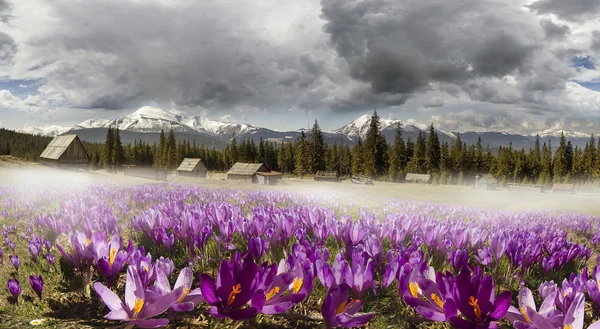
{"type": "Point", "coordinates": [168, 255]}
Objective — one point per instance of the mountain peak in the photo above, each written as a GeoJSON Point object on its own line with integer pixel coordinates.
{"type": "Point", "coordinates": [153, 112]}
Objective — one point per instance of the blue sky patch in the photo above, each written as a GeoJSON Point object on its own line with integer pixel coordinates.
{"type": "Point", "coordinates": [586, 62]}
{"type": "Point", "coordinates": [20, 88]}
{"type": "Point", "coordinates": [591, 85]}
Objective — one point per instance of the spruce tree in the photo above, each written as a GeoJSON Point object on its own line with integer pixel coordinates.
{"type": "Point", "coordinates": [358, 157]}
{"type": "Point", "coordinates": [171, 151]}
{"type": "Point", "coordinates": [432, 152]}
{"type": "Point", "coordinates": [397, 155]}
{"type": "Point", "coordinates": [117, 155]}
{"type": "Point", "coordinates": [301, 156]}
{"type": "Point", "coordinates": [108, 150]}
{"type": "Point", "coordinates": [317, 148]}
{"type": "Point", "coordinates": [559, 163]}
{"type": "Point", "coordinates": [417, 163]}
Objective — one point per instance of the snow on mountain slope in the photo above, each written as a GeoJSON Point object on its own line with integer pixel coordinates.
{"type": "Point", "coordinates": [91, 123]}
{"type": "Point", "coordinates": [555, 132]}
{"type": "Point", "coordinates": [50, 131]}
{"type": "Point", "coordinates": [150, 119]}
{"type": "Point", "coordinates": [225, 130]}
{"type": "Point", "coordinates": [360, 126]}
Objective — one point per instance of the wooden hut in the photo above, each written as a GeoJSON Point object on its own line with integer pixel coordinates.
{"type": "Point", "coordinates": [65, 151]}
{"type": "Point", "coordinates": [563, 188]}
{"type": "Point", "coordinates": [253, 172]}
{"type": "Point", "coordinates": [486, 182]}
{"type": "Point", "coordinates": [418, 178]}
{"type": "Point", "coordinates": [327, 176]}
{"type": "Point", "coordinates": [192, 167]}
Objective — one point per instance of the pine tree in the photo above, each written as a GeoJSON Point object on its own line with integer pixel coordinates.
{"type": "Point", "coordinates": [158, 154]}
{"type": "Point", "coordinates": [171, 151]}
{"type": "Point", "coordinates": [117, 155]}
{"type": "Point", "coordinates": [301, 155]}
{"type": "Point", "coordinates": [397, 155]}
{"type": "Point", "coordinates": [107, 150]}
{"type": "Point", "coordinates": [358, 157]}
{"type": "Point", "coordinates": [589, 157]}
{"type": "Point", "coordinates": [545, 177]}
{"type": "Point", "coordinates": [317, 149]}
{"type": "Point", "coordinates": [432, 152]}
{"type": "Point", "coordinates": [374, 149]}
{"type": "Point", "coordinates": [560, 165]}
{"type": "Point", "coordinates": [417, 163]}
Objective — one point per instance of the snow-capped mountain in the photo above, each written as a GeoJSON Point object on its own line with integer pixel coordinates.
{"type": "Point", "coordinates": [50, 131]}
{"type": "Point", "coordinates": [556, 132]}
{"type": "Point", "coordinates": [360, 126]}
{"type": "Point", "coordinates": [147, 122]}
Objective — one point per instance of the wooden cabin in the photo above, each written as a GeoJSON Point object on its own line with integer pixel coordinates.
{"type": "Point", "coordinates": [192, 167]}
{"type": "Point", "coordinates": [563, 188]}
{"type": "Point", "coordinates": [145, 172]}
{"type": "Point", "coordinates": [417, 178]}
{"type": "Point", "coordinates": [253, 172]}
{"type": "Point", "coordinates": [65, 151]}
{"type": "Point", "coordinates": [327, 176]}
{"type": "Point", "coordinates": [486, 182]}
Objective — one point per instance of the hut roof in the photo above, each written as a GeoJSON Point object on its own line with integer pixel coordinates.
{"type": "Point", "coordinates": [190, 164]}
{"type": "Point", "coordinates": [271, 173]}
{"type": "Point", "coordinates": [487, 179]}
{"type": "Point", "coordinates": [247, 169]}
{"type": "Point", "coordinates": [58, 146]}
{"type": "Point", "coordinates": [418, 177]}
{"type": "Point", "coordinates": [327, 174]}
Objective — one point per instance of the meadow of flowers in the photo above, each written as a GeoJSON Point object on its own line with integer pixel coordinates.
{"type": "Point", "coordinates": [168, 255]}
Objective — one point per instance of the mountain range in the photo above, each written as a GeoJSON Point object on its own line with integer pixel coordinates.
{"type": "Point", "coordinates": [147, 122]}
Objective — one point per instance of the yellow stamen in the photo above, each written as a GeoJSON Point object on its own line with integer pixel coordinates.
{"type": "Point", "coordinates": [111, 256]}
{"type": "Point", "coordinates": [345, 305]}
{"type": "Point", "coordinates": [139, 303]}
{"type": "Point", "coordinates": [87, 241]}
{"type": "Point", "coordinates": [297, 285]}
{"type": "Point", "coordinates": [476, 309]}
{"type": "Point", "coordinates": [272, 293]}
{"type": "Point", "coordinates": [525, 315]}
{"type": "Point", "coordinates": [185, 292]}
{"type": "Point", "coordinates": [437, 300]}
{"type": "Point", "coordinates": [234, 292]}
{"type": "Point", "coordinates": [568, 326]}
{"type": "Point", "coordinates": [414, 289]}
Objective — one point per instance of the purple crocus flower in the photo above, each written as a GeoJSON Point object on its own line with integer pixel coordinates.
{"type": "Point", "coordinates": [280, 280]}
{"type": "Point", "coordinates": [519, 317]}
{"type": "Point", "coordinates": [14, 287]}
{"type": "Point", "coordinates": [188, 299]}
{"type": "Point", "coordinates": [593, 285]}
{"type": "Point", "coordinates": [433, 299]}
{"type": "Point", "coordinates": [109, 256]}
{"type": "Point", "coordinates": [15, 261]}
{"type": "Point", "coordinates": [1, 255]}
{"type": "Point", "coordinates": [339, 310]}
{"type": "Point", "coordinates": [137, 309]}
{"type": "Point", "coordinates": [37, 284]}
{"type": "Point", "coordinates": [234, 288]}
{"type": "Point", "coordinates": [475, 300]}
{"type": "Point", "coordinates": [573, 318]}
{"type": "Point", "coordinates": [34, 250]}
{"type": "Point", "coordinates": [51, 259]}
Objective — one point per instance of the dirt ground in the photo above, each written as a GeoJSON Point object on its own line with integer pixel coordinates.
{"type": "Point", "coordinates": [16, 172]}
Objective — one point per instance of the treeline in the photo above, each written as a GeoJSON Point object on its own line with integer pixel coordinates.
{"type": "Point", "coordinates": [448, 163]}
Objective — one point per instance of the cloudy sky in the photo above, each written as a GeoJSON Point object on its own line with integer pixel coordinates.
{"type": "Point", "coordinates": [513, 65]}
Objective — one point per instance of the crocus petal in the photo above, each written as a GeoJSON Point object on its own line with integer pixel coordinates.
{"type": "Point", "coordinates": [185, 278]}
{"type": "Point", "coordinates": [108, 297]}
{"type": "Point", "coordinates": [501, 306]}
{"type": "Point", "coordinates": [207, 285]}
{"type": "Point", "coordinates": [461, 323]}
{"type": "Point", "coordinates": [349, 321]}
{"type": "Point", "coordinates": [183, 307]}
{"type": "Point", "coordinates": [133, 288]}
{"type": "Point", "coordinates": [117, 315]}
{"type": "Point", "coordinates": [526, 298]}
{"type": "Point", "coordinates": [538, 320]}
{"type": "Point", "coordinates": [161, 304]}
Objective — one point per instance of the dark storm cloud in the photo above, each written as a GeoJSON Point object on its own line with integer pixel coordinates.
{"type": "Point", "coordinates": [189, 54]}
{"type": "Point", "coordinates": [572, 10]}
{"type": "Point", "coordinates": [554, 31]}
{"type": "Point", "coordinates": [403, 47]}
